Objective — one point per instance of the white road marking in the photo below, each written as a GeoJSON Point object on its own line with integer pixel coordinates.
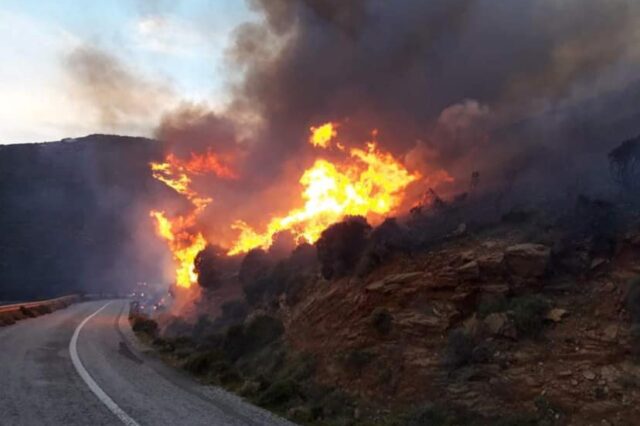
{"type": "Point", "coordinates": [93, 386]}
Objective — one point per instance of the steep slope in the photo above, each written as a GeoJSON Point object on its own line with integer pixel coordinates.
{"type": "Point", "coordinates": [72, 213]}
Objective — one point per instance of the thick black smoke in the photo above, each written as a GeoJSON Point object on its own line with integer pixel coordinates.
{"type": "Point", "coordinates": [530, 95]}
{"type": "Point", "coordinates": [465, 84]}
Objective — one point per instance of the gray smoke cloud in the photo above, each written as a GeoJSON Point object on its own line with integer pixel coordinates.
{"type": "Point", "coordinates": [118, 96]}
{"type": "Point", "coordinates": [399, 66]}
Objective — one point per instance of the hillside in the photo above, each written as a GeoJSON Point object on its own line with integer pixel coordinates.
{"type": "Point", "coordinates": [449, 316]}
{"type": "Point", "coordinates": [72, 213]}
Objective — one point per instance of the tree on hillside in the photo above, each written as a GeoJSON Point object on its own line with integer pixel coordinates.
{"type": "Point", "coordinates": [624, 163]}
{"type": "Point", "coordinates": [341, 245]}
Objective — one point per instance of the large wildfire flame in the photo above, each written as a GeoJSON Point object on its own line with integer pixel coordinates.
{"type": "Point", "coordinates": [365, 181]}
{"type": "Point", "coordinates": [369, 183]}
{"type": "Point", "coordinates": [180, 233]}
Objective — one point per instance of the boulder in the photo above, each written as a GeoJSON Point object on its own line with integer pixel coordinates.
{"type": "Point", "coordinates": [470, 271]}
{"type": "Point", "coordinates": [610, 333]}
{"type": "Point", "coordinates": [527, 260]}
{"type": "Point", "coordinates": [394, 281]}
{"type": "Point", "coordinates": [556, 314]}
{"type": "Point", "coordinates": [491, 263]}
{"type": "Point", "coordinates": [499, 324]}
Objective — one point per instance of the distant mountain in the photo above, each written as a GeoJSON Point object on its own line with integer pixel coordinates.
{"type": "Point", "coordinates": [73, 216]}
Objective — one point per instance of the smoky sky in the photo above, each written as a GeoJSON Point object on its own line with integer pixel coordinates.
{"type": "Point", "coordinates": [397, 66]}
{"type": "Point", "coordinates": [532, 89]}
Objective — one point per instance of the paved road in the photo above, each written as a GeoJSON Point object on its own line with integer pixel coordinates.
{"type": "Point", "coordinates": [111, 381]}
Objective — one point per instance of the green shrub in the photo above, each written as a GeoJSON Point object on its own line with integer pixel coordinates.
{"type": "Point", "coordinates": [201, 363]}
{"type": "Point", "coordinates": [299, 367]}
{"type": "Point", "coordinates": [244, 339]}
{"type": "Point", "coordinates": [356, 360]}
{"type": "Point", "coordinates": [381, 320]}
{"type": "Point", "coordinates": [144, 325]}
{"type": "Point", "coordinates": [263, 329]}
{"type": "Point", "coordinates": [633, 300]}
{"type": "Point", "coordinates": [459, 350]}
{"type": "Point", "coordinates": [278, 394]}
{"type": "Point", "coordinates": [528, 314]}
{"type": "Point", "coordinates": [432, 415]}
{"type": "Point", "coordinates": [490, 304]}
{"type": "Point", "coordinates": [28, 312]}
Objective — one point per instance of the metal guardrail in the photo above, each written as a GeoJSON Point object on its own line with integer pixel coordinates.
{"type": "Point", "coordinates": [60, 301]}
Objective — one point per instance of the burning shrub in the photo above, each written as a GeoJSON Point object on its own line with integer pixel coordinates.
{"type": "Point", "coordinates": [207, 267]}
{"type": "Point", "coordinates": [341, 245]}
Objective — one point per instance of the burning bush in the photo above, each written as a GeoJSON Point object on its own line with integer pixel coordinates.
{"type": "Point", "coordinates": [341, 245]}
{"type": "Point", "coordinates": [207, 266]}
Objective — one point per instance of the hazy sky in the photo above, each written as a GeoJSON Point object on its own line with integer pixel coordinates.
{"type": "Point", "coordinates": [176, 47]}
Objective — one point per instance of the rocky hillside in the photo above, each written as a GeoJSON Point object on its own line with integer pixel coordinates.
{"type": "Point", "coordinates": [467, 311]}
{"type": "Point", "coordinates": [485, 322]}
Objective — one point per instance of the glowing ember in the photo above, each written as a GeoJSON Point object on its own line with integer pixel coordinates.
{"type": "Point", "coordinates": [370, 184]}
{"type": "Point", "coordinates": [321, 136]}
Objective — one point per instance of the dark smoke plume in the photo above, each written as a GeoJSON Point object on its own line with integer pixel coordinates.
{"type": "Point", "coordinates": [532, 93]}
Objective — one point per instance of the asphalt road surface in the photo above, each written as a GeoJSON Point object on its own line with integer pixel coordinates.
{"type": "Point", "coordinates": [83, 366]}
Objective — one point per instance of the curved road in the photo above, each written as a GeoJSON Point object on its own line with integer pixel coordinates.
{"type": "Point", "coordinates": [111, 381]}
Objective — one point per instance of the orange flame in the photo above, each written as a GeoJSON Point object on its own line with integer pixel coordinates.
{"type": "Point", "coordinates": [175, 172]}
{"type": "Point", "coordinates": [183, 244]}
{"type": "Point", "coordinates": [370, 184]}
{"type": "Point", "coordinates": [183, 241]}
{"type": "Point", "coordinates": [361, 181]}
{"type": "Point", "coordinates": [321, 136]}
